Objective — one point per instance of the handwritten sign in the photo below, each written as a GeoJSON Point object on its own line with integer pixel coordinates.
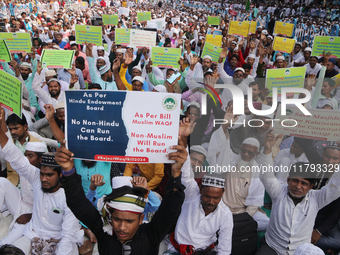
{"type": "Point", "coordinates": [122, 126]}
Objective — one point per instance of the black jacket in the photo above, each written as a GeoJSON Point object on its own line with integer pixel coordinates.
{"type": "Point", "coordinates": [147, 238]}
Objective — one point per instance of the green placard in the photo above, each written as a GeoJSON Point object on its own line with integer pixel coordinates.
{"type": "Point", "coordinates": [57, 58]}
{"type": "Point", "coordinates": [165, 57]}
{"type": "Point", "coordinates": [327, 44]}
{"type": "Point", "coordinates": [213, 20]}
{"type": "Point", "coordinates": [10, 92]}
{"type": "Point", "coordinates": [5, 55]}
{"type": "Point", "coordinates": [122, 36]}
{"type": "Point", "coordinates": [17, 42]}
{"type": "Point", "coordinates": [212, 51]}
{"type": "Point", "coordinates": [89, 34]}
{"type": "Point", "coordinates": [143, 16]}
{"type": "Point", "coordinates": [285, 77]}
{"type": "Point", "coordinates": [110, 19]}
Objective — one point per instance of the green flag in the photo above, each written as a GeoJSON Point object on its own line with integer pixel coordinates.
{"type": "Point", "coordinates": [247, 5]}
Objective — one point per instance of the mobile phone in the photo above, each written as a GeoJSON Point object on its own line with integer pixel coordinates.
{"type": "Point", "coordinates": [173, 77]}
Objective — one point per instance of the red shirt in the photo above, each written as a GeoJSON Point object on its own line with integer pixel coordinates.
{"type": "Point", "coordinates": [102, 3]}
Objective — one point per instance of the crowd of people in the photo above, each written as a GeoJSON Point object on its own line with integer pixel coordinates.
{"type": "Point", "coordinates": [51, 203]}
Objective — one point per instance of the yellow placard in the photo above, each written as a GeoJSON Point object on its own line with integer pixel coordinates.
{"type": "Point", "coordinates": [282, 28]}
{"type": "Point", "coordinates": [239, 28]}
{"type": "Point", "coordinates": [214, 39]}
{"type": "Point", "coordinates": [283, 44]}
{"type": "Point", "coordinates": [252, 28]}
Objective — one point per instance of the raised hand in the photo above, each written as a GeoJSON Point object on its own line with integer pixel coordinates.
{"type": "Point", "coordinates": [49, 111]}
{"type": "Point", "coordinates": [194, 59]}
{"type": "Point", "coordinates": [224, 53]}
{"type": "Point", "coordinates": [128, 59]}
{"type": "Point", "coordinates": [180, 156]}
{"type": "Point", "coordinates": [229, 117]}
{"type": "Point", "coordinates": [64, 157]}
{"type": "Point", "coordinates": [115, 64]}
{"type": "Point", "coordinates": [269, 141]}
{"type": "Point", "coordinates": [186, 127]}
{"type": "Point", "coordinates": [97, 180]}
{"type": "Point", "coordinates": [140, 181]}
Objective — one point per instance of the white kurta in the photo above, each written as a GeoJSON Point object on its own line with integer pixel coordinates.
{"type": "Point", "coordinates": [51, 216]}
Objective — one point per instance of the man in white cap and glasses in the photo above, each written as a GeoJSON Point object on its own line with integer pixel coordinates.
{"type": "Point", "coordinates": [124, 207]}
{"type": "Point", "coordinates": [302, 60]}
{"type": "Point", "coordinates": [20, 202]}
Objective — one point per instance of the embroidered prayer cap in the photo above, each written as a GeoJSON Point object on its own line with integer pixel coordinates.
{"type": "Point", "coordinates": [239, 69]}
{"type": "Point", "coordinates": [213, 181]}
{"type": "Point", "coordinates": [100, 48]}
{"type": "Point", "coordinates": [332, 145]}
{"type": "Point", "coordinates": [36, 147]}
{"type": "Point", "coordinates": [252, 141]}
{"type": "Point", "coordinates": [137, 67]}
{"type": "Point", "coordinates": [103, 69]}
{"type": "Point", "coordinates": [120, 50]}
{"type": "Point", "coordinates": [126, 203]}
{"type": "Point", "coordinates": [26, 65]}
{"type": "Point", "coordinates": [53, 79]}
{"type": "Point", "coordinates": [194, 104]}
{"type": "Point", "coordinates": [47, 159]}
{"type": "Point", "coordinates": [207, 57]}
{"type": "Point", "coordinates": [308, 49]}
{"type": "Point", "coordinates": [280, 58]}
{"type": "Point", "coordinates": [198, 149]}
{"type": "Point", "coordinates": [50, 73]}
{"type": "Point", "coordinates": [251, 56]}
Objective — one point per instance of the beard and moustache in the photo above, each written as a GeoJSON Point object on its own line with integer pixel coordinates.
{"type": "Point", "coordinates": [88, 164]}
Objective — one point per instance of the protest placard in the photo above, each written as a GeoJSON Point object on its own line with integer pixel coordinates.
{"type": "Point", "coordinates": [17, 42]}
{"type": "Point", "coordinates": [282, 28]}
{"type": "Point", "coordinates": [121, 126]}
{"type": "Point", "coordinates": [239, 28]}
{"type": "Point", "coordinates": [212, 51]}
{"type": "Point", "coordinates": [124, 11]}
{"type": "Point", "coordinates": [57, 58]}
{"type": "Point", "coordinates": [143, 16]}
{"type": "Point", "coordinates": [327, 44]}
{"type": "Point", "coordinates": [214, 20]}
{"type": "Point", "coordinates": [336, 78]}
{"type": "Point", "coordinates": [283, 44]}
{"type": "Point", "coordinates": [89, 34]}
{"type": "Point", "coordinates": [175, 20]}
{"type": "Point", "coordinates": [141, 38]}
{"type": "Point", "coordinates": [110, 19]}
{"type": "Point", "coordinates": [252, 28]}
{"type": "Point", "coordinates": [5, 55]}
{"type": "Point", "coordinates": [321, 125]}
{"type": "Point", "coordinates": [122, 36]}
{"type": "Point", "coordinates": [10, 92]}
{"type": "Point", "coordinates": [156, 23]}
{"type": "Point", "coordinates": [285, 77]}
{"type": "Point", "coordinates": [214, 39]}
{"type": "Point", "coordinates": [84, 5]}
{"type": "Point", "coordinates": [165, 57]}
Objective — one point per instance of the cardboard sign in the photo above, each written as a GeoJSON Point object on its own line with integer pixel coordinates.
{"type": "Point", "coordinates": [122, 36]}
{"type": "Point", "coordinates": [10, 93]}
{"type": "Point", "coordinates": [212, 51]}
{"type": "Point", "coordinates": [282, 28]}
{"type": "Point", "coordinates": [165, 57]}
{"type": "Point", "coordinates": [214, 39]}
{"type": "Point", "coordinates": [5, 55]}
{"type": "Point", "coordinates": [124, 11]}
{"type": "Point", "coordinates": [283, 44]}
{"type": "Point", "coordinates": [239, 28]}
{"type": "Point", "coordinates": [328, 44]}
{"type": "Point", "coordinates": [321, 125]}
{"type": "Point", "coordinates": [57, 58]}
{"type": "Point", "coordinates": [141, 38]}
{"type": "Point", "coordinates": [17, 42]}
{"type": "Point", "coordinates": [110, 19]}
{"type": "Point", "coordinates": [89, 34]}
{"type": "Point", "coordinates": [214, 20]}
{"type": "Point", "coordinates": [285, 77]}
{"type": "Point", "coordinates": [121, 126]}
{"type": "Point", "coordinates": [143, 16]}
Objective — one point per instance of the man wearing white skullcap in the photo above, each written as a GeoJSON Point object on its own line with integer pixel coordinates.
{"type": "Point", "coordinates": [202, 215]}
{"type": "Point", "coordinates": [244, 192]}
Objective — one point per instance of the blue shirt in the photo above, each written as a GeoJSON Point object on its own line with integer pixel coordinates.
{"type": "Point", "coordinates": [102, 168]}
{"type": "Point", "coordinates": [62, 44]}
{"type": "Point", "coordinates": [65, 76]}
{"type": "Point", "coordinates": [228, 69]}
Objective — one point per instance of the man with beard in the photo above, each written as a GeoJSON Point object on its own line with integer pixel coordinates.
{"type": "Point", "coordinates": [244, 191]}
{"type": "Point", "coordinates": [54, 94]}
{"type": "Point", "coordinates": [25, 69]}
{"type": "Point", "coordinates": [53, 226]}
{"type": "Point", "coordinates": [105, 80]}
{"type": "Point", "coordinates": [313, 67]}
{"type": "Point", "coordinates": [295, 205]}
{"type": "Point", "coordinates": [196, 70]}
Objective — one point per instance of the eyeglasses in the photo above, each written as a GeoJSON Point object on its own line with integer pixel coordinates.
{"type": "Point", "coordinates": [126, 250]}
{"type": "Point", "coordinates": [250, 153]}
